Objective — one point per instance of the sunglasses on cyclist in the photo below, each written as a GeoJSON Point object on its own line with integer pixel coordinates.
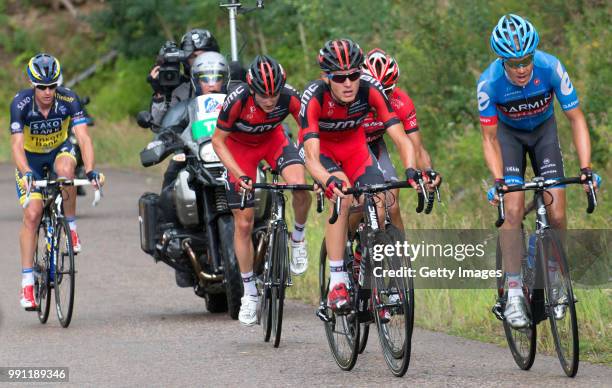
{"type": "Point", "coordinates": [45, 87]}
{"type": "Point", "coordinates": [522, 63]}
{"type": "Point", "coordinates": [340, 78]}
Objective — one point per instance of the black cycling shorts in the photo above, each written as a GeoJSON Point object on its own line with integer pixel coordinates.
{"type": "Point", "coordinates": [542, 145]}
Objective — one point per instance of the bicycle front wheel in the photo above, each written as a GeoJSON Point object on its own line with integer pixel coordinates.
{"type": "Point", "coordinates": [560, 302]}
{"type": "Point", "coordinates": [522, 342]}
{"type": "Point", "coordinates": [341, 330]}
{"type": "Point", "coordinates": [42, 287]}
{"type": "Point", "coordinates": [64, 273]}
{"type": "Point", "coordinates": [280, 265]}
{"type": "Point", "coordinates": [393, 300]}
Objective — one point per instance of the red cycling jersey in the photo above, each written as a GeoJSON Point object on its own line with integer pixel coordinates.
{"type": "Point", "coordinates": [256, 135]}
{"type": "Point", "coordinates": [247, 121]}
{"type": "Point", "coordinates": [338, 127]}
{"type": "Point", "coordinates": [403, 107]}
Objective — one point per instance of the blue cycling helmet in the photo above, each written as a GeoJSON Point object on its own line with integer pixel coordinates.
{"type": "Point", "coordinates": [44, 69]}
{"type": "Point", "coordinates": [510, 30]}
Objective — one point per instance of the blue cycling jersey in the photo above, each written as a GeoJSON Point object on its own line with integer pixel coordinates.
{"type": "Point", "coordinates": [45, 134]}
{"type": "Point", "coordinates": [524, 107]}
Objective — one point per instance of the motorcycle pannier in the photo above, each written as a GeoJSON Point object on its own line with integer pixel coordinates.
{"type": "Point", "coordinates": [148, 217]}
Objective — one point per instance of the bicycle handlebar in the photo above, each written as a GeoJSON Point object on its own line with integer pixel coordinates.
{"type": "Point", "coordinates": [541, 184]}
{"type": "Point", "coordinates": [62, 182]}
{"type": "Point", "coordinates": [373, 189]}
{"type": "Point", "coordinates": [282, 187]}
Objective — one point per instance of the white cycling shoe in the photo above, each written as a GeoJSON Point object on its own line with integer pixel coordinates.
{"type": "Point", "coordinates": [248, 310]}
{"type": "Point", "coordinates": [299, 257]}
{"type": "Point", "coordinates": [516, 312]}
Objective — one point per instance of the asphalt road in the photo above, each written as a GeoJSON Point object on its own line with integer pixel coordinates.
{"type": "Point", "coordinates": [133, 327]}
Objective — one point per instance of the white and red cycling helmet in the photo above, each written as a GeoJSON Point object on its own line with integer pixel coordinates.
{"type": "Point", "coordinates": [383, 67]}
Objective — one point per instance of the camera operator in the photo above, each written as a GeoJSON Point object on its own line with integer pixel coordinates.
{"type": "Point", "coordinates": [169, 85]}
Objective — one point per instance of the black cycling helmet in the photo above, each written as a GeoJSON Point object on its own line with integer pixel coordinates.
{"type": "Point", "coordinates": [44, 69]}
{"type": "Point", "coordinates": [199, 39]}
{"type": "Point", "coordinates": [340, 54]}
{"type": "Point", "coordinates": [266, 76]}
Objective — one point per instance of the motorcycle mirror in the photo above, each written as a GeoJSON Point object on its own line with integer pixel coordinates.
{"type": "Point", "coordinates": [144, 119]}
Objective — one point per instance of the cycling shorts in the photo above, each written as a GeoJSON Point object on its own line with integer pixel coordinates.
{"type": "Point", "coordinates": [37, 163]}
{"type": "Point", "coordinates": [381, 153]}
{"type": "Point", "coordinates": [274, 147]}
{"type": "Point", "coordinates": [348, 152]}
{"type": "Point", "coordinates": [542, 145]}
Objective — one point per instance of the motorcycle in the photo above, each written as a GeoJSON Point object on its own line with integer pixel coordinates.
{"type": "Point", "coordinates": [189, 225]}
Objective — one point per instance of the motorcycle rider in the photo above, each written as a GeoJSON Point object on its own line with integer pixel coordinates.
{"type": "Point", "coordinates": [209, 74]}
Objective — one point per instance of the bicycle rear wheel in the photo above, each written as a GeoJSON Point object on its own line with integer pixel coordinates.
{"type": "Point", "coordinates": [522, 342]}
{"type": "Point", "coordinates": [364, 334]}
{"type": "Point", "coordinates": [42, 287]}
{"type": "Point", "coordinates": [280, 267]}
{"type": "Point", "coordinates": [341, 330]}
{"type": "Point", "coordinates": [393, 300]}
{"type": "Point", "coordinates": [560, 302]}
{"type": "Point", "coordinates": [64, 273]}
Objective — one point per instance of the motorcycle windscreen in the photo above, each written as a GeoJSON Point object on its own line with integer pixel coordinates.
{"type": "Point", "coordinates": [207, 111]}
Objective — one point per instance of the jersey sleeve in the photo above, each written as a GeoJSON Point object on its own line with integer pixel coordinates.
{"type": "Point", "coordinates": [294, 102]}
{"type": "Point", "coordinates": [380, 103]}
{"type": "Point", "coordinates": [232, 106]}
{"type": "Point", "coordinates": [405, 110]}
{"type": "Point", "coordinates": [564, 89]}
{"type": "Point", "coordinates": [310, 111]}
{"type": "Point", "coordinates": [17, 114]}
{"type": "Point", "coordinates": [486, 106]}
{"type": "Point", "coordinates": [77, 113]}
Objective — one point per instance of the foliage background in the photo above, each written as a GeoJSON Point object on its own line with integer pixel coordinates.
{"type": "Point", "coordinates": [441, 46]}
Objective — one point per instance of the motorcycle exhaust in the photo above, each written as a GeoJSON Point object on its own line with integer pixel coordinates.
{"type": "Point", "coordinates": [203, 276]}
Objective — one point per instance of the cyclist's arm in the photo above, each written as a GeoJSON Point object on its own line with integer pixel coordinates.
{"type": "Point", "coordinates": [19, 156]}
{"type": "Point", "coordinates": [85, 144]}
{"type": "Point", "coordinates": [423, 159]}
{"type": "Point", "coordinates": [313, 163]}
{"type": "Point", "coordinates": [403, 144]}
{"type": "Point", "coordinates": [580, 132]}
{"type": "Point", "coordinates": [492, 150]}
{"type": "Point", "coordinates": [218, 142]}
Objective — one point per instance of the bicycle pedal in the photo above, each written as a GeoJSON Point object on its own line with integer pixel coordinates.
{"type": "Point", "coordinates": [321, 314]}
{"type": "Point", "coordinates": [498, 311]}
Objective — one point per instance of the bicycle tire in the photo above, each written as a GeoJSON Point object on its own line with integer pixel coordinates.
{"type": "Point", "coordinates": [266, 298]}
{"type": "Point", "coordinates": [64, 279]}
{"type": "Point", "coordinates": [401, 315]}
{"type": "Point", "coordinates": [281, 265]}
{"type": "Point", "coordinates": [42, 287]}
{"type": "Point", "coordinates": [350, 327]}
{"type": "Point", "coordinates": [568, 347]}
{"type": "Point", "coordinates": [364, 334]}
{"type": "Point", "coordinates": [522, 342]}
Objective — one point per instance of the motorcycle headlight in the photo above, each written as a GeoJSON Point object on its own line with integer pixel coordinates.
{"type": "Point", "coordinates": [207, 153]}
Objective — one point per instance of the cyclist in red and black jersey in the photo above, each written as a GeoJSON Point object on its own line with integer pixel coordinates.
{"type": "Point", "coordinates": [385, 70]}
{"type": "Point", "coordinates": [333, 109]}
{"type": "Point", "coordinates": [250, 130]}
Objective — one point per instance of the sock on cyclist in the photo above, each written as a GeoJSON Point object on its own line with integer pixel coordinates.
{"type": "Point", "coordinates": [298, 233]}
{"type": "Point", "coordinates": [71, 222]}
{"type": "Point", "coordinates": [515, 284]}
{"type": "Point", "coordinates": [248, 280]}
{"type": "Point", "coordinates": [337, 272]}
{"type": "Point", "coordinates": [27, 277]}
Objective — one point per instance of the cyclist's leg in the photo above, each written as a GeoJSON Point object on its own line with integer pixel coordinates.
{"type": "Point", "coordinates": [286, 158]}
{"type": "Point", "coordinates": [514, 160]}
{"type": "Point", "coordinates": [64, 166]}
{"type": "Point", "coordinates": [380, 151]}
{"type": "Point", "coordinates": [547, 161]}
{"type": "Point", "coordinates": [29, 227]}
